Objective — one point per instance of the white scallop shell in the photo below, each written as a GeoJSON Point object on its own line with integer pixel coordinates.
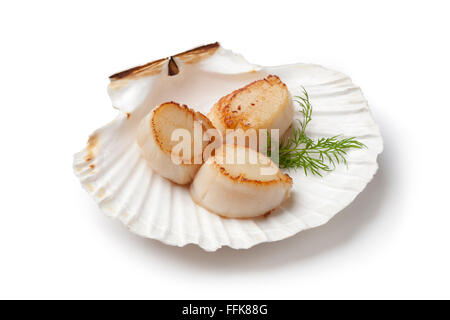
{"type": "Point", "coordinates": [112, 171]}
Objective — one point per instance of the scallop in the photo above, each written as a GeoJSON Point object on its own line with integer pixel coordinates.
{"type": "Point", "coordinates": [113, 168]}
{"type": "Point", "coordinates": [155, 136]}
{"type": "Point", "coordinates": [248, 188]}
{"type": "Point", "coordinates": [262, 104]}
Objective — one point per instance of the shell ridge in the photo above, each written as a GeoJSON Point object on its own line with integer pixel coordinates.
{"type": "Point", "coordinates": [143, 200]}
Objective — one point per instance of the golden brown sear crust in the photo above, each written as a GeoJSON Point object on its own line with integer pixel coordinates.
{"type": "Point", "coordinates": [242, 178]}
{"type": "Point", "coordinates": [236, 117]}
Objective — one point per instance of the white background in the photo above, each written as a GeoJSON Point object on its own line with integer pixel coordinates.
{"type": "Point", "coordinates": [393, 241]}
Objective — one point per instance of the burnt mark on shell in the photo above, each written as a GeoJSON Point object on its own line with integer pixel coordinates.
{"type": "Point", "coordinates": [101, 192]}
{"type": "Point", "coordinates": [128, 115]}
{"type": "Point", "coordinates": [173, 68]}
{"type": "Point", "coordinates": [151, 66]}
{"type": "Point", "coordinates": [89, 187]}
{"type": "Point", "coordinates": [91, 146]}
{"type": "Point", "coordinates": [189, 56]}
{"type": "Point", "coordinates": [92, 141]}
{"type": "Point", "coordinates": [201, 49]}
{"type": "Point", "coordinates": [92, 166]}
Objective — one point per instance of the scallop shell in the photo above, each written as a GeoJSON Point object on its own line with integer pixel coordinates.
{"type": "Point", "coordinates": [112, 171]}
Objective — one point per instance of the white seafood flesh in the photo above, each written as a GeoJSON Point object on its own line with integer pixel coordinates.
{"type": "Point", "coordinates": [247, 188]}
{"type": "Point", "coordinates": [154, 136]}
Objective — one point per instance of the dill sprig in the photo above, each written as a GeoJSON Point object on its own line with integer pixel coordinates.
{"type": "Point", "coordinates": [300, 151]}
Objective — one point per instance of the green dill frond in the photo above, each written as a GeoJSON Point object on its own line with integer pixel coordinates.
{"type": "Point", "coordinates": [322, 155]}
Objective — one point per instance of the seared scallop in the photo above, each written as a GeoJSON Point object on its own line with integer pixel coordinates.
{"type": "Point", "coordinates": [155, 136]}
{"type": "Point", "coordinates": [263, 104]}
{"type": "Point", "coordinates": [233, 184]}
